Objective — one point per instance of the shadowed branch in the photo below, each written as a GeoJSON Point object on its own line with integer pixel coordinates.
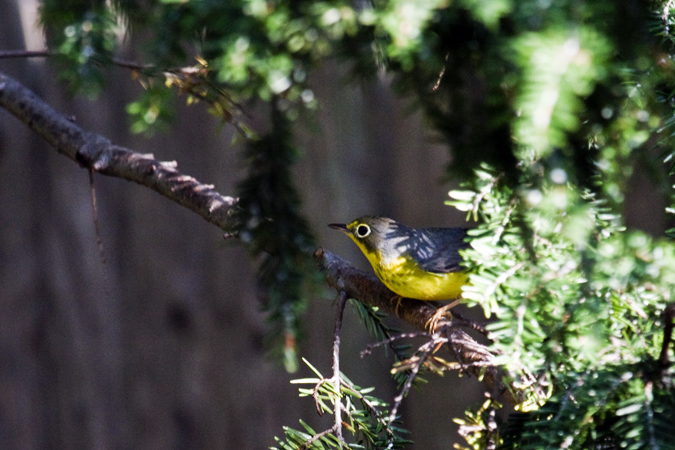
{"type": "Point", "coordinates": [97, 153]}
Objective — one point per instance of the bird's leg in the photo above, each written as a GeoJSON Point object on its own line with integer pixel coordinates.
{"type": "Point", "coordinates": [443, 311]}
{"type": "Point", "coordinates": [398, 299]}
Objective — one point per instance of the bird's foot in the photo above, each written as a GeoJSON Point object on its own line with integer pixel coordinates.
{"type": "Point", "coordinates": [398, 299]}
{"type": "Point", "coordinates": [442, 312]}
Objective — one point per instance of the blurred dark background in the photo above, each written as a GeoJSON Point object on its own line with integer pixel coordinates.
{"type": "Point", "coordinates": [169, 352]}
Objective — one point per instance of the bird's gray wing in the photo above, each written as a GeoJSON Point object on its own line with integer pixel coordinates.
{"type": "Point", "coordinates": [437, 249]}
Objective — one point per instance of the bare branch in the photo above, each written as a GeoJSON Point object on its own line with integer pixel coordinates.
{"type": "Point", "coordinates": [97, 153]}
{"type": "Point", "coordinates": [370, 347]}
{"type": "Point", "coordinates": [8, 54]}
{"type": "Point", "coordinates": [424, 353]}
{"type": "Point", "coordinates": [5, 54]}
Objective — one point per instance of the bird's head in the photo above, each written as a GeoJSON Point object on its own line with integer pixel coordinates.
{"type": "Point", "coordinates": [373, 234]}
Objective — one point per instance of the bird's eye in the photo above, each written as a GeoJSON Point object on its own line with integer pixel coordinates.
{"type": "Point", "coordinates": [362, 231]}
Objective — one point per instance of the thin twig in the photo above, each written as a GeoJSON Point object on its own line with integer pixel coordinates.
{"type": "Point", "coordinates": [373, 410]}
{"type": "Point", "coordinates": [97, 228]}
{"type": "Point", "coordinates": [492, 425]}
{"type": "Point", "coordinates": [315, 394]}
{"type": "Point", "coordinates": [316, 437]}
{"type": "Point", "coordinates": [458, 356]}
{"type": "Point", "coordinates": [440, 75]}
{"type": "Point", "coordinates": [505, 221]}
{"type": "Point", "coordinates": [426, 351]}
{"type": "Point", "coordinates": [460, 321]}
{"type": "Point", "coordinates": [132, 65]}
{"type": "Point", "coordinates": [336, 379]}
{"type": "Point", "coordinates": [342, 301]}
{"type": "Point", "coordinates": [370, 347]}
{"type": "Point", "coordinates": [5, 54]}
{"type": "Point", "coordinates": [186, 74]}
{"type": "Point", "coordinates": [482, 193]}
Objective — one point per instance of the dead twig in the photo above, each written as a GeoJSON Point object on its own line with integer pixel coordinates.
{"type": "Point", "coordinates": [370, 347]}
{"type": "Point", "coordinates": [425, 351]}
{"type": "Point", "coordinates": [97, 229]}
{"type": "Point", "coordinates": [440, 75]}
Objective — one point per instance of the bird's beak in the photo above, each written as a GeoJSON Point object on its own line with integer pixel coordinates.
{"type": "Point", "coordinates": [340, 227]}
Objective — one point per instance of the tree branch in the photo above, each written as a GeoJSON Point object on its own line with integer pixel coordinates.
{"type": "Point", "coordinates": [97, 153]}
{"type": "Point", "coordinates": [5, 54]}
{"type": "Point", "coordinates": [8, 54]}
{"type": "Point", "coordinates": [369, 289]}
{"type": "Point", "coordinates": [475, 358]}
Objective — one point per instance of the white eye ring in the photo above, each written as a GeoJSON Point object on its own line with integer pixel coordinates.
{"type": "Point", "coordinates": [362, 230]}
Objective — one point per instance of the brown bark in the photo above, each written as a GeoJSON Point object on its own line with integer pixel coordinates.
{"type": "Point", "coordinates": [97, 153]}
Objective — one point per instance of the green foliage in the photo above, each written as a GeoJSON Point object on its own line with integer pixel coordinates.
{"type": "Point", "coordinates": [480, 428]}
{"type": "Point", "coordinates": [615, 407]}
{"type": "Point", "coordinates": [153, 110]}
{"type": "Point", "coordinates": [578, 300]}
{"type": "Point", "coordinates": [271, 225]}
{"type": "Point", "coordinates": [560, 67]}
{"type": "Point", "coordinates": [363, 415]}
{"type": "Point", "coordinates": [84, 42]}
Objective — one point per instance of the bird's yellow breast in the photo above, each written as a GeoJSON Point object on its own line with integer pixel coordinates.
{"type": "Point", "coordinates": [407, 279]}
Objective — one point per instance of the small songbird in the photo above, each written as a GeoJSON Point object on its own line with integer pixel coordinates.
{"type": "Point", "coordinates": [419, 263]}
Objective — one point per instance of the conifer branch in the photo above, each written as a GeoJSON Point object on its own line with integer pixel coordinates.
{"type": "Point", "coordinates": [336, 363]}
{"type": "Point", "coordinates": [336, 379]}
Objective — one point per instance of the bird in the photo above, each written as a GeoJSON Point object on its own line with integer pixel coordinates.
{"type": "Point", "coordinates": [417, 263]}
